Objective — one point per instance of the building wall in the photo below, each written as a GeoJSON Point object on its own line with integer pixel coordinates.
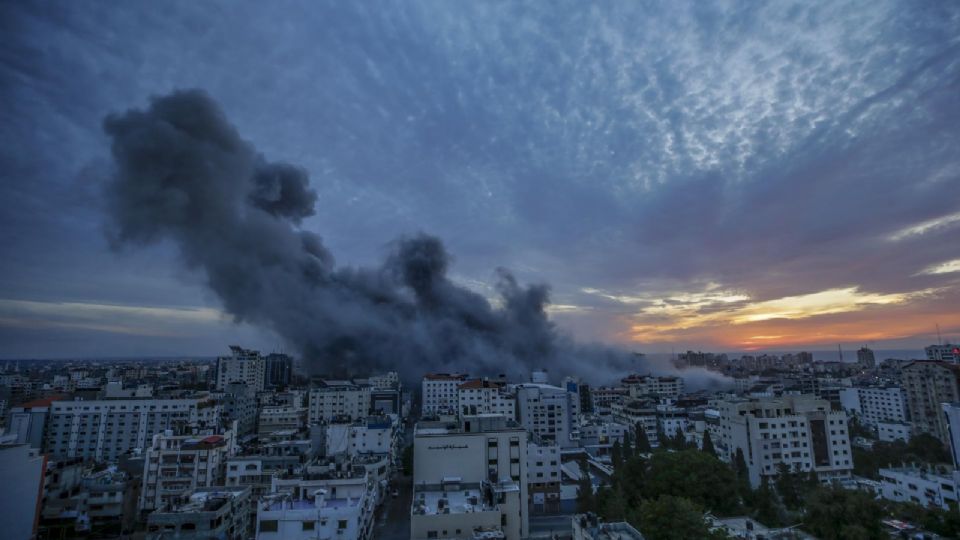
{"type": "Point", "coordinates": [927, 385]}
{"type": "Point", "coordinates": [545, 411]}
{"type": "Point", "coordinates": [328, 403]}
{"type": "Point", "coordinates": [22, 469]}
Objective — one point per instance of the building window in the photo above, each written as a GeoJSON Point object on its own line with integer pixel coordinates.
{"type": "Point", "coordinates": [268, 525]}
{"type": "Point", "coordinates": [308, 525]}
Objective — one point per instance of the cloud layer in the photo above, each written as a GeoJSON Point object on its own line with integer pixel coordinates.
{"type": "Point", "coordinates": [716, 175]}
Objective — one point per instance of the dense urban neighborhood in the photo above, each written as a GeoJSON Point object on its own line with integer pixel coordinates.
{"type": "Point", "coordinates": [250, 446]}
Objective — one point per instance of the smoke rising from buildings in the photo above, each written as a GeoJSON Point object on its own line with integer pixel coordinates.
{"type": "Point", "coordinates": [184, 174]}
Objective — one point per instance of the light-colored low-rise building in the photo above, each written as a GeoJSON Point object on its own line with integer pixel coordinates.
{"type": "Point", "coordinates": [926, 488]}
{"type": "Point", "coordinates": [176, 465]}
{"type": "Point", "coordinates": [338, 399]}
{"type": "Point", "coordinates": [280, 418]}
{"type": "Point", "coordinates": [894, 431]}
{"type": "Point", "coordinates": [212, 512]}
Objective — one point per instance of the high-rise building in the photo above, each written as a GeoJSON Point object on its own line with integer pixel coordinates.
{"type": "Point", "coordinates": [946, 352]}
{"type": "Point", "coordinates": [546, 411]}
{"type": "Point", "coordinates": [22, 469]}
{"type": "Point", "coordinates": [928, 384]}
{"type": "Point", "coordinates": [647, 385]}
{"type": "Point", "coordinates": [470, 478]}
{"type": "Point", "coordinates": [801, 432]}
{"type": "Point", "coordinates": [951, 412]}
{"type": "Point", "coordinates": [874, 404]}
{"type": "Point", "coordinates": [866, 358]}
{"type": "Point", "coordinates": [338, 400]}
{"type": "Point", "coordinates": [279, 370]}
{"type": "Point", "coordinates": [105, 429]}
{"type": "Point", "coordinates": [176, 465]}
{"type": "Point", "coordinates": [483, 396]}
{"type": "Point", "coordinates": [440, 394]}
{"type": "Point", "coordinates": [243, 365]}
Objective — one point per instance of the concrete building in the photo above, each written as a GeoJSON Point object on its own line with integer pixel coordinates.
{"type": "Point", "coordinates": [175, 465]}
{"type": "Point", "coordinates": [893, 431]}
{"type": "Point", "coordinates": [22, 469]}
{"type": "Point", "coordinates": [946, 352]}
{"type": "Point", "coordinates": [545, 411]}
{"type": "Point", "coordinates": [798, 431]}
{"type": "Point", "coordinates": [239, 403]}
{"type": "Point", "coordinates": [243, 365]}
{"type": "Point", "coordinates": [925, 488]}
{"type": "Point", "coordinates": [278, 370]}
{"type": "Point", "coordinates": [213, 512]}
{"type": "Point", "coordinates": [483, 396]}
{"type": "Point", "coordinates": [280, 418]}
{"type": "Point", "coordinates": [866, 358]}
{"type": "Point", "coordinates": [338, 399]}
{"type": "Point", "coordinates": [951, 413]}
{"type": "Point", "coordinates": [105, 429]}
{"type": "Point", "coordinates": [28, 422]}
{"type": "Point", "coordinates": [648, 385]}
{"type": "Point", "coordinates": [928, 384]}
{"type": "Point", "coordinates": [590, 527]}
{"type": "Point", "coordinates": [470, 477]}
{"type": "Point", "coordinates": [872, 405]}
{"type": "Point", "coordinates": [372, 435]}
{"type": "Point", "coordinates": [440, 393]}
{"type": "Point", "coordinates": [336, 501]}
{"type": "Point", "coordinates": [543, 478]}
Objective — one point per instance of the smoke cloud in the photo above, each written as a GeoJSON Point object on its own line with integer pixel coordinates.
{"type": "Point", "coordinates": [184, 174]}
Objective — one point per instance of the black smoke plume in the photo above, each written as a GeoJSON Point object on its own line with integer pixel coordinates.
{"type": "Point", "coordinates": [184, 174]}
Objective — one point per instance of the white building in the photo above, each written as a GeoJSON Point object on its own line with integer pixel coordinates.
{"type": "Point", "coordinates": [872, 404]}
{"type": "Point", "coordinates": [893, 431]}
{"type": "Point", "coordinates": [281, 418]}
{"type": "Point", "coordinates": [951, 412]}
{"type": "Point", "coordinates": [543, 478]}
{"type": "Point", "coordinates": [22, 469]}
{"type": "Point", "coordinates": [440, 393]}
{"type": "Point", "coordinates": [483, 396]}
{"type": "Point", "coordinates": [545, 411]}
{"type": "Point", "coordinates": [914, 485]}
{"type": "Point", "coordinates": [648, 385]}
{"type": "Point", "coordinates": [338, 399]}
{"type": "Point", "coordinates": [372, 435]}
{"type": "Point", "coordinates": [947, 352]}
{"type": "Point", "coordinates": [105, 429]}
{"type": "Point", "coordinates": [176, 465]}
{"type": "Point", "coordinates": [799, 431]}
{"type": "Point", "coordinates": [468, 478]}
{"type": "Point", "coordinates": [243, 365]}
{"type": "Point", "coordinates": [332, 503]}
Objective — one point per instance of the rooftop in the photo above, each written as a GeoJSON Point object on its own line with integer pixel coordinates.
{"type": "Point", "coordinates": [450, 498]}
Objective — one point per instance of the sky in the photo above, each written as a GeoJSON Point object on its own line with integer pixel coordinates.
{"type": "Point", "coordinates": [721, 176]}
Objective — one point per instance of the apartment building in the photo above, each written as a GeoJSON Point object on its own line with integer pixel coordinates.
{"type": "Point", "coordinates": [543, 478]}
{"type": "Point", "coordinates": [337, 500]}
{"type": "Point", "coordinates": [872, 405]}
{"type": "Point", "coordinates": [951, 413]}
{"type": "Point", "coordinates": [483, 396]}
{"type": "Point", "coordinates": [281, 418]}
{"type": "Point", "coordinates": [801, 432]}
{"type": "Point", "coordinates": [372, 435]}
{"type": "Point", "coordinates": [338, 399]}
{"type": "Point", "coordinates": [278, 370]}
{"type": "Point", "coordinates": [22, 469]}
{"type": "Point", "coordinates": [470, 476]}
{"type": "Point", "coordinates": [648, 385]}
{"type": "Point", "coordinates": [945, 352]}
{"type": "Point", "coordinates": [105, 429]}
{"type": "Point", "coordinates": [926, 488]}
{"type": "Point", "coordinates": [545, 411]}
{"type": "Point", "coordinates": [440, 393]}
{"type": "Point", "coordinates": [176, 465]}
{"type": "Point", "coordinates": [213, 512]}
{"type": "Point", "coordinates": [927, 385]}
{"type": "Point", "coordinates": [243, 365]}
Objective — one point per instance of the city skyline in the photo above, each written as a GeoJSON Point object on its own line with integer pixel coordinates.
{"type": "Point", "coordinates": [682, 176]}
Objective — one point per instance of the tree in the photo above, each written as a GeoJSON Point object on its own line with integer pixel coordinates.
{"type": "Point", "coordinates": [643, 442]}
{"type": "Point", "coordinates": [695, 475]}
{"type": "Point", "coordinates": [663, 441]}
{"type": "Point", "coordinates": [616, 455]}
{"type": "Point", "coordinates": [765, 507]}
{"type": "Point", "coordinates": [627, 447]}
{"type": "Point", "coordinates": [707, 445]}
{"type": "Point", "coordinates": [834, 513]}
{"type": "Point", "coordinates": [787, 486]}
{"type": "Point", "coordinates": [585, 499]}
{"type": "Point", "coordinates": [672, 518]}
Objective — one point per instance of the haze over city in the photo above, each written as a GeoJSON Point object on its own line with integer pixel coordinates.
{"type": "Point", "coordinates": [726, 177]}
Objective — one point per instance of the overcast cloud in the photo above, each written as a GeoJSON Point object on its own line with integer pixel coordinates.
{"type": "Point", "coordinates": [703, 175]}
